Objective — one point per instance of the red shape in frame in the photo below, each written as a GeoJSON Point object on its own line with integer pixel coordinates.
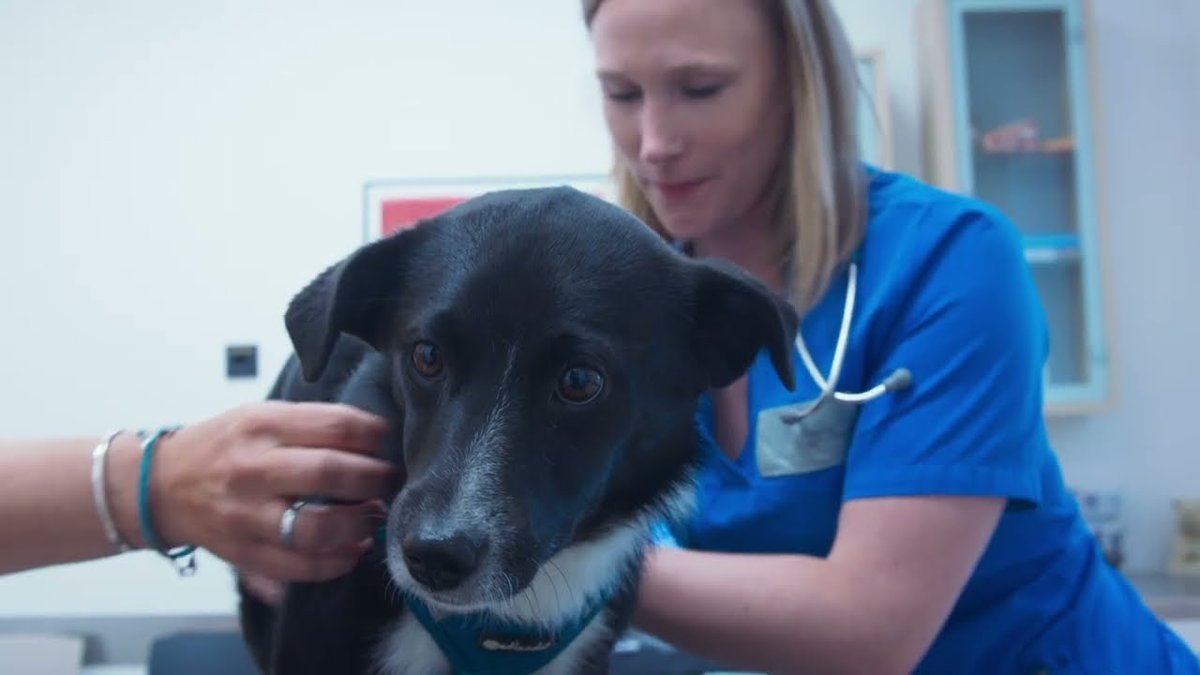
{"type": "Point", "coordinates": [400, 214]}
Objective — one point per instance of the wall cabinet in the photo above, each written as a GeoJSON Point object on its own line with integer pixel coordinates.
{"type": "Point", "coordinates": [1006, 97]}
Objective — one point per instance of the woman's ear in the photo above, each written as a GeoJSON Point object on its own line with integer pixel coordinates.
{"type": "Point", "coordinates": [735, 317]}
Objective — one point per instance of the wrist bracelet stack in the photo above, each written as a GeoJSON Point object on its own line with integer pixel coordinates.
{"type": "Point", "coordinates": [100, 492]}
{"type": "Point", "coordinates": [183, 558]}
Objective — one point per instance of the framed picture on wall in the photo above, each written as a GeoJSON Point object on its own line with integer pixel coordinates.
{"type": "Point", "coordinates": [390, 205]}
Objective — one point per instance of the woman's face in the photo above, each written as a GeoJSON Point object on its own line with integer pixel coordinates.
{"type": "Point", "coordinates": [697, 107]}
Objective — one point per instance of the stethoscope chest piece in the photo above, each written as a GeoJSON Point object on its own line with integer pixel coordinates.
{"type": "Point", "coordinates": [900, 378]}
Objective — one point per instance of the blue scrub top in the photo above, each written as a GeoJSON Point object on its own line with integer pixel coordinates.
{"type": "Point", "coordinates": [944, 291]}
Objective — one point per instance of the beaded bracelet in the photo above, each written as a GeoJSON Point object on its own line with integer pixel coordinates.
{"type": "Point", "coordinates": [182, 557]}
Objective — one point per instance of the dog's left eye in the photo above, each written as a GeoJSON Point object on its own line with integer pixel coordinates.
{"type": "Point", "coordinates": [427, 359]}
{"type": "Point", "coordinates": [580, 385]}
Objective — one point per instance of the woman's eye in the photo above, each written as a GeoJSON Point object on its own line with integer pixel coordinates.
{"type": "Point", "coordinates": [707, 91]}
{"type": "Point", "coordinates": [619, 88]}
{"type": "Point", "coordinates": [621, 95]}
{"type": "Point", "coordinates": [580, 385]}
{"type": "Point", "coordinates": [427, 359]}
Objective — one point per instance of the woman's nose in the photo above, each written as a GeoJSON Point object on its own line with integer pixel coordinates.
{"type": "Point", "coordinates": [662, 139]}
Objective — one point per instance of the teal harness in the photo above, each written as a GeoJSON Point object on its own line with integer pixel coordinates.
{"type": "Point", "coordinates": [481, 642]}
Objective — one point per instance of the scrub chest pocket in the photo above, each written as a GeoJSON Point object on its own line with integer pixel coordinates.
{"type": "Point", "coordinates": [800, 438]}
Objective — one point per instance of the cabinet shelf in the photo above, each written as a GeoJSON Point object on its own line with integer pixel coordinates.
{"type": "Point", "coordinates": [1050, 249]}
{"type": "Point", "coordinates": [1050, 151]}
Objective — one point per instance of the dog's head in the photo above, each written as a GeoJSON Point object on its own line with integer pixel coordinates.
{"type": "Point", "coordinates": [545, 352]}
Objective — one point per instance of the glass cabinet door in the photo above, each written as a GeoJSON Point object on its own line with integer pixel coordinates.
{"type": "Point", "coordinates": [1023, 147]}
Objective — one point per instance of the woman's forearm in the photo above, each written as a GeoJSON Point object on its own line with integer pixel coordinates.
{"type": "Point", "coordinates": [222, 484]}
{"type": "Point", "coordinates": [772, 613]}
{"type": "Point", "coordinates": [46, 498]}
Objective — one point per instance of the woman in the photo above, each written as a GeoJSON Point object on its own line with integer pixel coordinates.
{"type": "Point", "coordinates": [224, 484]}
{"type": "Point", "coordinates": [928, 529]}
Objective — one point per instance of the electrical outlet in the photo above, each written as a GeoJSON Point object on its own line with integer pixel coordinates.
{"type": "Point", "coordinates": [241, 361]}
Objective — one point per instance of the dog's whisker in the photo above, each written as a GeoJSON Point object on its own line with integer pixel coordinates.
{"type": "Point", "coordinates": [512, 585]}
{"type": "Point", "coordinates": [501, 590]}
{"type": "Point", "coordinates": [532, 598]}
{"type": "Point", "coordinates": [391, 590]}
{"type": "Point", "coordinates": [554, 585]}
{"type": "Point", "coordinates": [566, 580]}
{"type": "Point", "coordinates": [542, 571]}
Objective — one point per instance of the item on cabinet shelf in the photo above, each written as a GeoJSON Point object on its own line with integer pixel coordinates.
{"type": "Point", "coordinates": [1102, 512]}
{"type": "Point", "coordinates": [1186, 558]}
{"type": "Point", "coordinates": [1022, 135]}
{"type": "Point", "coordinates": [1064, 144]}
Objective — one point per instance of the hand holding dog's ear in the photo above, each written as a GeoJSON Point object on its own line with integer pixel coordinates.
{"type": "Point", "coordinates": [737, 316]}
{"type": "Point", "coordinates": [223, 485]}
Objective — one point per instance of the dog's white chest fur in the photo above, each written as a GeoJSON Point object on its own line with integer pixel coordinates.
{"type": "Point", "coordinates": [410, 650]}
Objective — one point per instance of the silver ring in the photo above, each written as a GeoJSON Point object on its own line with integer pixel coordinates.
{"type": "Point", "coordinates": [287, 524]}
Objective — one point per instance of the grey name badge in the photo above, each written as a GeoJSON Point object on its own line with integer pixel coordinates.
{"type": "Point", "coordinates": [789, 444]}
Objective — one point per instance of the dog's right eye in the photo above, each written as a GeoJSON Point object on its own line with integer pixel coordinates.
{"type": "Point", "coordinates": [580, 385]}
{"type": "Point", "coordinates": [427, 359]}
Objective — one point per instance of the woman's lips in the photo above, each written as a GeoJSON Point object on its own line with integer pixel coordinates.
{"type": "Point", "coordinates": [677, 190]}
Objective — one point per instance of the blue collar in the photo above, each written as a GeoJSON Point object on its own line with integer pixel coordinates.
{"type": "Point", "coordinates": [481, 642]}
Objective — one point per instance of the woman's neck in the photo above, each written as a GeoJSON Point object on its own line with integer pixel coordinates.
{"type": "Point", "coordinates": [749, 242]}
{"type": "Point", "coordinates": [750, 250]}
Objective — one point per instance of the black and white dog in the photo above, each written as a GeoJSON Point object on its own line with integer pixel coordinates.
{"type": "Point", "coordinates": [539, 355]}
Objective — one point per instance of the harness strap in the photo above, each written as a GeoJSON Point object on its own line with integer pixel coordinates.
{"type": "Point", "coordinates": [480, 642]}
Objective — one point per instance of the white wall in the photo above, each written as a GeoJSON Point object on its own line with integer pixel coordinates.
{"type": "Point", "coordinates": [171, 172]}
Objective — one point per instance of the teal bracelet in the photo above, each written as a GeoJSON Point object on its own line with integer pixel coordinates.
{"type": "Point", "coordinates": [182, 557]}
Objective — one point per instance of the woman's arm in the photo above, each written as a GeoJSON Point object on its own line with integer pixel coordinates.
{"type": "Point", "coordinates": [874, 605]}
{"type": "Point", "coordinates": [46, 501]}
{"type": "Point", "coordinates": [221, 484]}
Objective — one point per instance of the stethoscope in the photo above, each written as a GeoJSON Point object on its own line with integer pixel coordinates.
{"type": "Point", "coordinates": [899, 378]}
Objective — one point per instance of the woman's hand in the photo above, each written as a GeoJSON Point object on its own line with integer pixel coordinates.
{"type": "Point", "coordinates": [224, 484]}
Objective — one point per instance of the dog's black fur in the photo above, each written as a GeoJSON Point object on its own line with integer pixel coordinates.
{"type": "Point", "coordinates": [539, 355]}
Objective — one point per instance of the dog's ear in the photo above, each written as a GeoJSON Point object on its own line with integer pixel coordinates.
{"type": "Point", "coordinates": [736, 316]}
{"type": "Point", "coordinates": [352, 297]}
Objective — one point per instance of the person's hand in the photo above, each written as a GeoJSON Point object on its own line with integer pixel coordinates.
{"type": "Point", "coordinates": [224, 484]}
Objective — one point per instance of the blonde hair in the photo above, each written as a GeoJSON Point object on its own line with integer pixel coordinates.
{"type": "Point", "coordinates": [823, 210]}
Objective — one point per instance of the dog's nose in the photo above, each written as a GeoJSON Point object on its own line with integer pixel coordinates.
{"type": "Point", "coordinates": [442, 563]}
